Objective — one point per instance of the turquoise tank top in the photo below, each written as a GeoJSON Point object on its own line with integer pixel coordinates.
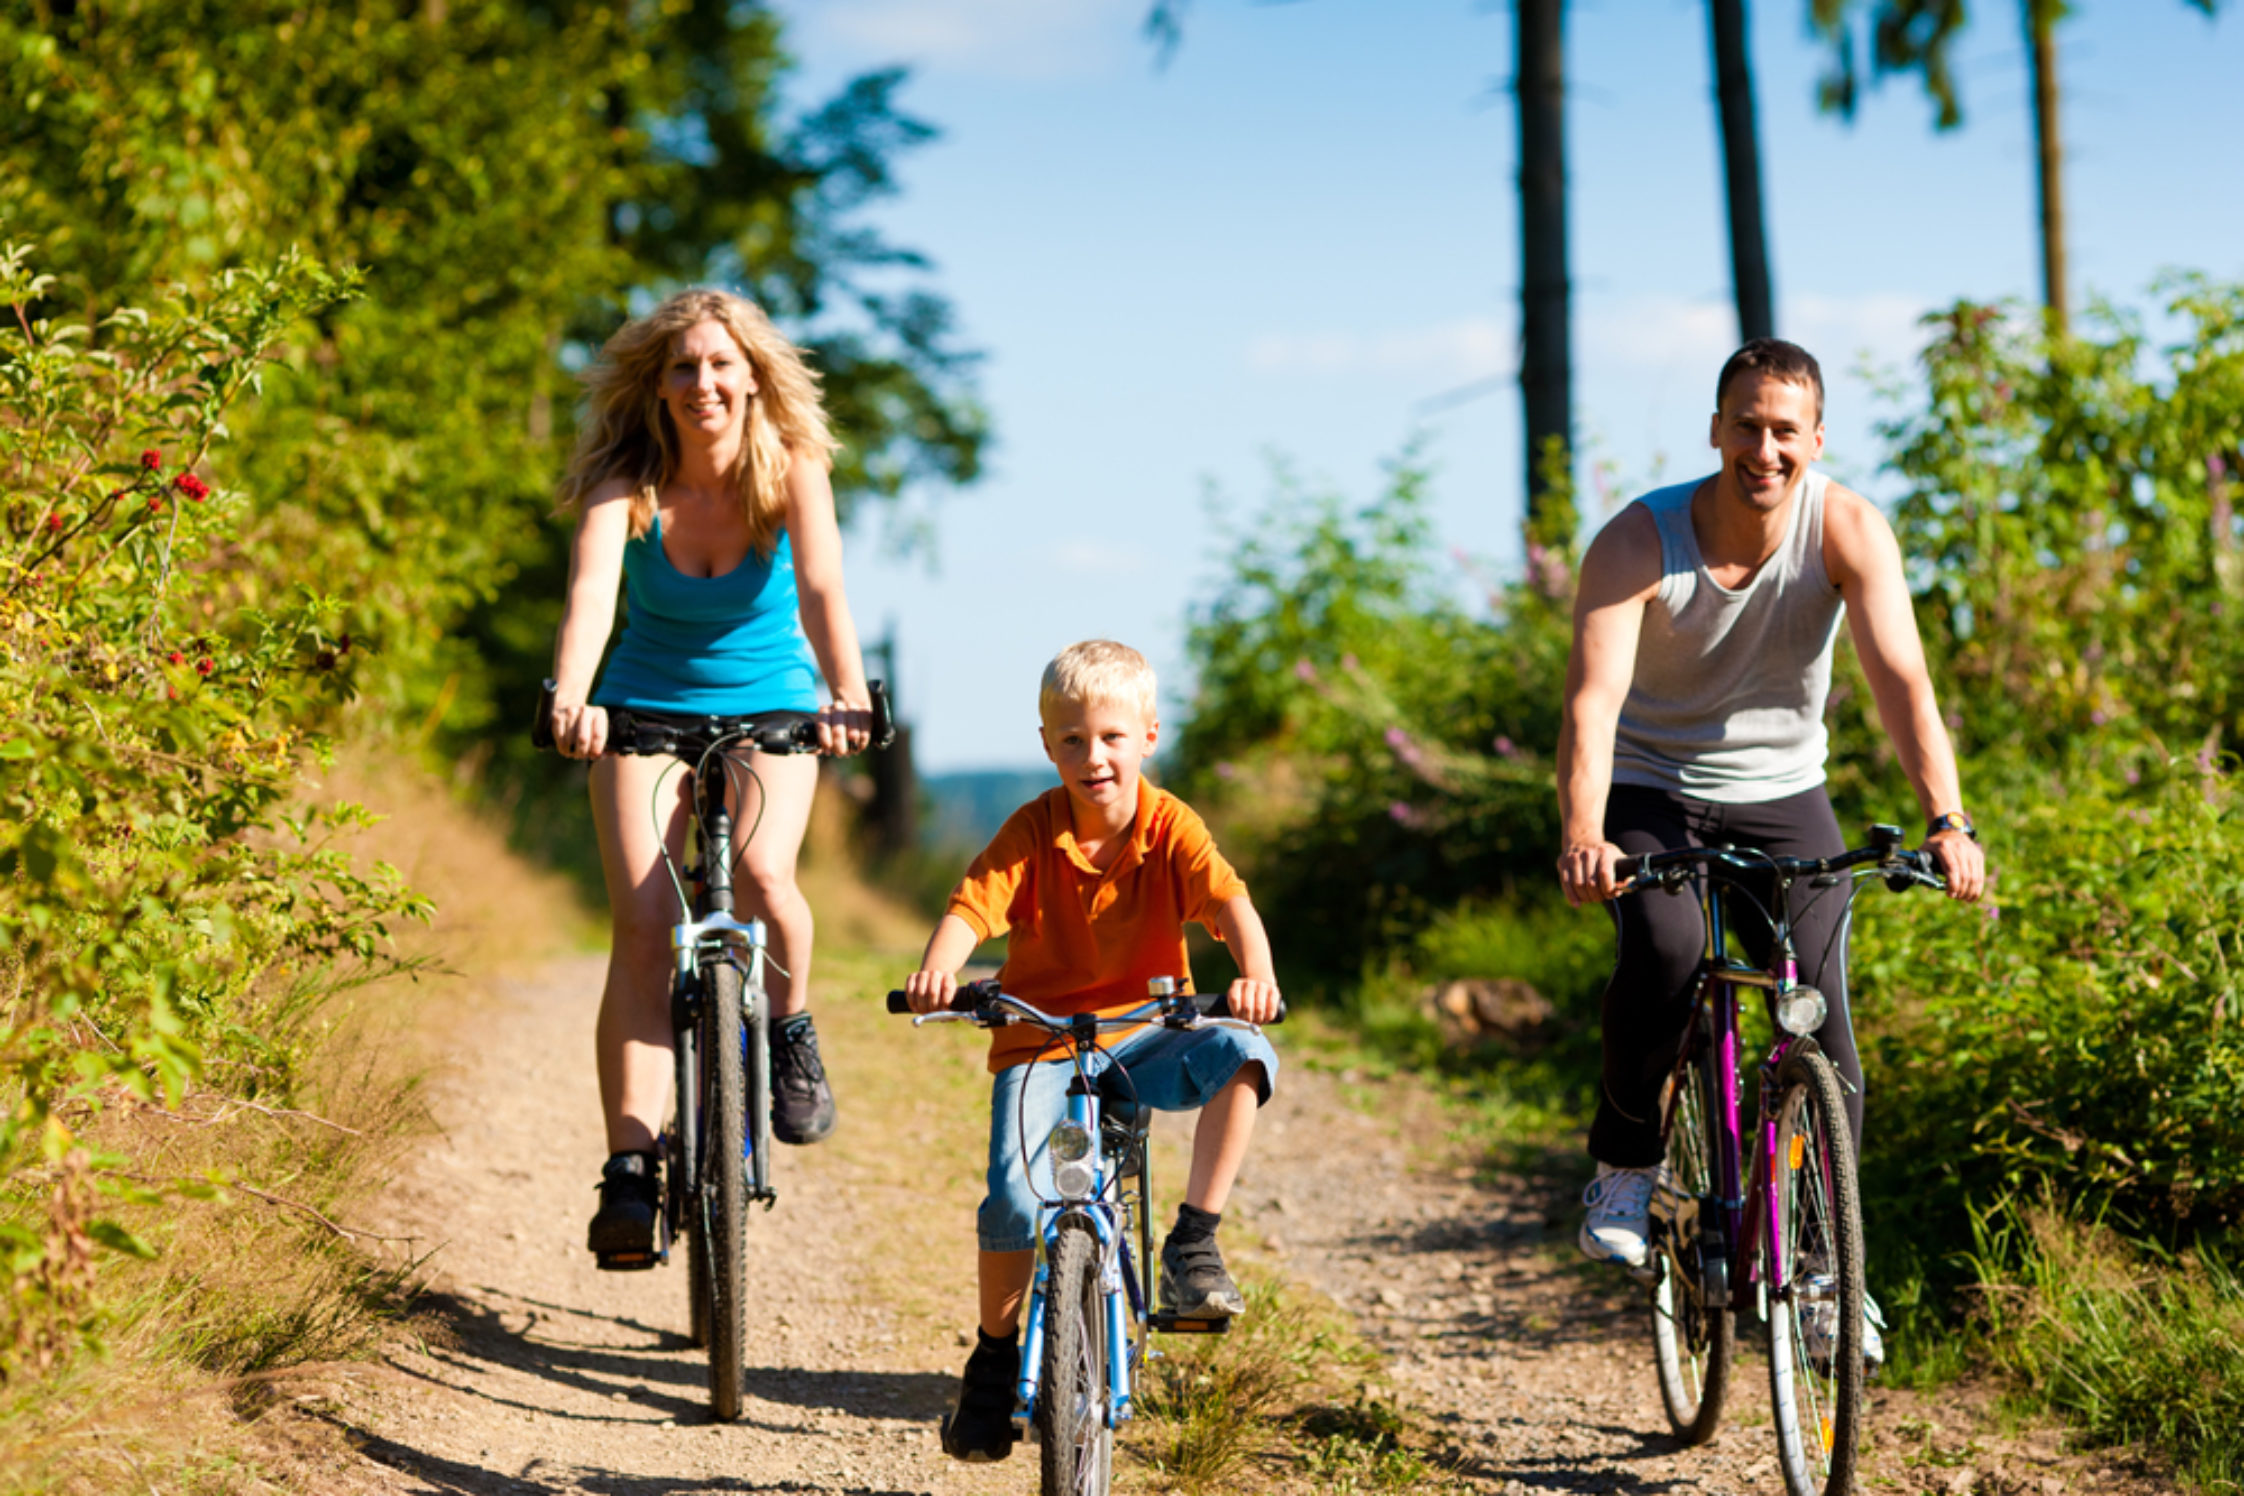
{"type": "Point", "coordinates": [724, 645]}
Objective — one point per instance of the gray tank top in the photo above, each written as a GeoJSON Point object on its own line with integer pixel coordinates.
{"type": "Point", "coordinates": [1727, 701]}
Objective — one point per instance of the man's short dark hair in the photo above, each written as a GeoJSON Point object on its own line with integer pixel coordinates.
{"type": "Point", "coordinates": [1777, 359]}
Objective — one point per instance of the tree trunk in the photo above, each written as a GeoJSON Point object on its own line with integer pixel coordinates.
{"type": "Point", "coordinates": [1741, 172]}
{"type": "Point", "coordinates": [1545, 364]}
{"type": "Point", "coordinates": [2041, 46]}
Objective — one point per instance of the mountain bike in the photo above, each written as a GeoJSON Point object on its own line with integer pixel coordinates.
{"type": "Point", "coordinates": [1090, 1309]}
{"type": "Point", "coordinates": [1793, 1218]}
{"type": "Point", "coordinates": [716, 1145]}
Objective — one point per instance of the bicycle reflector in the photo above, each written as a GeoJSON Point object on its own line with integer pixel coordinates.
{"type": "Point", "coordinates": [1801, 1010]}
{"type": "Point", "coordinates": [1073, 1173]}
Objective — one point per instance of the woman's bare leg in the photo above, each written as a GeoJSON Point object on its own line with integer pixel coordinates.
{"type": "Point", "coordinates": [632, 1039]}
{"type": "Point", "coordinates": [764, 877]}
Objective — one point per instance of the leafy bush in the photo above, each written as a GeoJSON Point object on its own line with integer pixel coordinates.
{"type": "Point", "coordinates": [153, 871]}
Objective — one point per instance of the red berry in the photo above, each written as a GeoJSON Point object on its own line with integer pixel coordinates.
{"type": "Point", "coordinates": [204, 666]}
{"type": "Point", "coordinates": [151, 459]}
{"type": "Point", "coordinates": [175, 658]}
{"type": "Point", "coordinates": [54, 523]}
{"type": "Point", "coordinates": [155, 502]}
{"type": "Point", "coordinates": [192, 486]}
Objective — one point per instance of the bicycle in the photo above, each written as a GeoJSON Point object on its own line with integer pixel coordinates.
{"type": "Point", "coordinates": [1090, 1309]}
{"type": "Point", "coordinates": [1794, 1219]}
{"type": "Point", "coordinates": [716, 1144]}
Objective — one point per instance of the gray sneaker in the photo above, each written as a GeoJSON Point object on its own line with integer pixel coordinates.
{"type": "Point", "coordinates": [802, 1103]}
{"type": "Point", "coordinates": [1194, 1284]}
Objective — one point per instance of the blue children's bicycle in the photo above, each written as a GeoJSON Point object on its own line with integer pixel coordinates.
{"type": "Point", "coordinates": [1092, 1305]}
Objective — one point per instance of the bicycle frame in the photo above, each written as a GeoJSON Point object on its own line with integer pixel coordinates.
{"type": "Point", "coordinates": [708, 932]}
{"type": "Point", "coordinates": [1120, 1293]}
{"type": "Point", "coordinates": [1749, 1209]}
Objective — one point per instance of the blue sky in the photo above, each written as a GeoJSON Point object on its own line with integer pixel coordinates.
{"type": "Point", "coordinates": [1303, 231]}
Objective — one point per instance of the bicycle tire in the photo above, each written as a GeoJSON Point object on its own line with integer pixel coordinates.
{"type": "Point", "coordinates": [1818, 1411]}
{"type": "Point", "coordinates": [723, 1225]}
{"type": "Point", "coordinates": [1075, 1436]}
{"type": "Point", "coordinates": [1693, 1342]}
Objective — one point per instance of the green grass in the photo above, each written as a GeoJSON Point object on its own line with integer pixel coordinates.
{"type": "Point", "coordinates": [2131, 1346]}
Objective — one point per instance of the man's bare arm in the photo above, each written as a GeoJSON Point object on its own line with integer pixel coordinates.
{"type": "Point", "coordinates": [1620, 575]}
{"type": "Point", "coordinates": [1864, 562]}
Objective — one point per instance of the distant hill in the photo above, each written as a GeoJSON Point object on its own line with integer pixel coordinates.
{"type": "Point", "coordinates": [964, 809]}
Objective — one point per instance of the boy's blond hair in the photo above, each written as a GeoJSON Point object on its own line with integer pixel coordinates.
{"type": "Point", "coordinates": [1097, 672]}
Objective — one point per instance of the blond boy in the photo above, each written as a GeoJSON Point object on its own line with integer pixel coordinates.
{"type": "Point", "coordinates": [1094, 883]}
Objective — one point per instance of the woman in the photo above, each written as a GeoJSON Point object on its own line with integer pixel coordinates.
{"type": "Point", "coordinates": [701, 476]}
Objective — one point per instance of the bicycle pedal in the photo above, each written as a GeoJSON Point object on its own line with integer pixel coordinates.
{"type": "Point", "coordinates": [628, 1262]}
{"type": "Point", "coordinates": [1167, 1322]}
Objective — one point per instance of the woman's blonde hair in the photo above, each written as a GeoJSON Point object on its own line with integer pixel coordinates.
{"type": "Point", "coordinates": [627, 432]}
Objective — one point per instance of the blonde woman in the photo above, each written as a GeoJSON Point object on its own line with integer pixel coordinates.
{"type": "Point", "coordinates": [701, 478]}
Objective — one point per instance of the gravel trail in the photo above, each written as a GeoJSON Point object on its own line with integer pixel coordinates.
{"type": "Point", "coordinates": [539, 1374]}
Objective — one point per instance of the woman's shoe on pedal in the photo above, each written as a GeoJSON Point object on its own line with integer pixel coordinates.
{"type": "Point", "coordinates": [980, 1431]}
{"type": "Point", "coordinates": [802, 1102]}
{"type": "Point", "coordinates": [622, 1236]}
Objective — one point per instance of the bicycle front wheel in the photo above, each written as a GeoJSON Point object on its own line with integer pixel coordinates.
{"type": "Point", "coordinates": [722, 1234]}
{"type": "Point", "coordinates": [1816, 1373]}
{"type": "Point", "coordinates": [1692, 1336]}
{"type": "Point", "coordinates": [1073, 1430]}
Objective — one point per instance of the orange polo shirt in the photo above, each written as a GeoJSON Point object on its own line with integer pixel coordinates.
{"type": "Point", "coordinates": [1084, 941]}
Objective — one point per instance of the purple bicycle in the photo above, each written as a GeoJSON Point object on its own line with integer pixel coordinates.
{"type": "Point", "coordinates": [1792, 1219]}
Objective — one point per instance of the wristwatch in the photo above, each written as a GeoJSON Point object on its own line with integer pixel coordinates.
{"type": "Point", "coordinates": [1953, 820]}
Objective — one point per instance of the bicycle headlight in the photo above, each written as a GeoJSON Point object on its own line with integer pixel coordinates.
{"type": "Point", "coordinates": [1074, 1171]}
{"type": "Point", "coordinates": [1801, 1010]}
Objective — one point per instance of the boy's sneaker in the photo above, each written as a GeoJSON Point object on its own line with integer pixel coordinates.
{"type": "Point", "coordinates": [802, 1103]}
{"type": "Point", "coordinates": [622, 1235]}
{"type": "Point", "coordinates": [1619, 1222]}
{"type": "Point", "coordinates": [1193, 1282]}
{"type": "Point", "coordinates": [1819, 1332]}
{"type": "Point", "coordinates": [981, 1429]}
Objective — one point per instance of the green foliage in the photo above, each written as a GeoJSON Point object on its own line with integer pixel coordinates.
{"type": "Point", "coordinates": [2072, 515]}
{"type": "Point", "coordinates": [152, 871]}
{"type": "Point", "coordinates": [2080, 1030]}
{"type": "Point", "coordinates": [512, 177]}
{"type": "Point", "coordinates": [1369, 743]}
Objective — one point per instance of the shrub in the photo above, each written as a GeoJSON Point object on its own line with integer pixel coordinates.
{"type": "Point", "coordinates": [152, 870]}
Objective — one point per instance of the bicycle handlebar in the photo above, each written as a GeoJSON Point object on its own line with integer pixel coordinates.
{"type": "Point", "coordinates": [650, 735]}
{"type": "Point", "coordinates": [990, 1008]}
{"type": "Point", "coordinates": [1903, 867]}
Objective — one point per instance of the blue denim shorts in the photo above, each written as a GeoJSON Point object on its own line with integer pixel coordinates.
{"type": "Point", "coordinates": [1171, 1070]}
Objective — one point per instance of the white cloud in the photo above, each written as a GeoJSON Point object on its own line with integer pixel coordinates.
{"type": "Point", "coordinates": [1034, 40]}
{"type": "Point", "coordinates": [1467, 348]}
{"type": "Point", "coordinates": [1661, 333]}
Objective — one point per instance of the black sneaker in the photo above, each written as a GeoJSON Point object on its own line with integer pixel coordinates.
{"type": "Point", "coordinates": [802, 1104]}
{"type": "Point", "coordinates": [622, 1237]}
{"type": "Point", "coordinates": [1193, 1282]}
{"type": "Point", "coordinates": [981, 1430]}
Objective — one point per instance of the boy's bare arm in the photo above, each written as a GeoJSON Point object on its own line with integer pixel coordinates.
{"type": "Point", "coordinates": [936, 982]}
{"type": "Point", "coordinates": [1254, 993]}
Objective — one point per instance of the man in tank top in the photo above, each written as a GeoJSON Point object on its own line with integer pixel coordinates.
{"type": "Point", "coordinates": [1703, 632]}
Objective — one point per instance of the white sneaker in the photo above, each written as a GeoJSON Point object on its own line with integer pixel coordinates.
{"type": "Point", "coordinates": [1620, 1214]}
{"type": "Point", "coordinates": [1819, 1330]}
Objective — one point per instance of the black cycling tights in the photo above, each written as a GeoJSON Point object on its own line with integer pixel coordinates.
{"type": "Point", "coordinates": [1648, 1000]}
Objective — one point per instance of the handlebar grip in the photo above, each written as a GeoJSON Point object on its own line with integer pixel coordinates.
{"type": "Point", "coordinates": [1627, 868]}
{"type": "Point", "coordinates": [1218, 1005]}
{"type": "Point", "coordinates": [541, 724]}
{"type": "Point", "coordinates": [968, 997]}
{"type": "Point", "coordinates": [884, 714]}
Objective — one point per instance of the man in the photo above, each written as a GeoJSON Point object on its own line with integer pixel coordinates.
{"type": "Point", "coordinates": [1703, 633]}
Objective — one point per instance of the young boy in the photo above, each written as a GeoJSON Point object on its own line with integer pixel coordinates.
{"type": "Point", "coordinates": [1094, 882]}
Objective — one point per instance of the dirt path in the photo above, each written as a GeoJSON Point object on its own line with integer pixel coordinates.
{"type": "Point", "coordinates": [542, 1375]}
